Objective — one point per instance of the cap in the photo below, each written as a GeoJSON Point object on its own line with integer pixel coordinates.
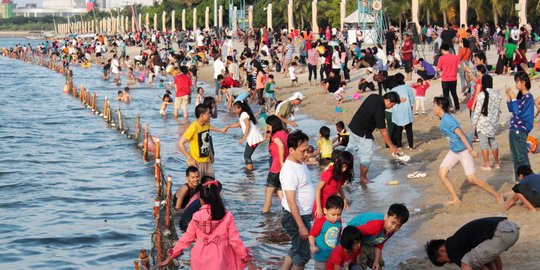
{"type": "Point", "coordinates": [297, 95]}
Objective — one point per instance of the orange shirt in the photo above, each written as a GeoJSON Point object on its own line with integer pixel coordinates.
{"type": "Point", "coordinates": [465, 54]}
{"type": "Point", "coordinates": [462, 33]}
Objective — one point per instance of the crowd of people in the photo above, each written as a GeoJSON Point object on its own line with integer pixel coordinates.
{"type": "Point", "coordinates": [248, 77]}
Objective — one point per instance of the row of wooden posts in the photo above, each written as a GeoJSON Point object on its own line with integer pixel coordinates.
{"type": "Point", "coordinates": [164, 236]}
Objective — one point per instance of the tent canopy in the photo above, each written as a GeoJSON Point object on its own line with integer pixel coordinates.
{"type": "Point", "coordinates": [355, 18]}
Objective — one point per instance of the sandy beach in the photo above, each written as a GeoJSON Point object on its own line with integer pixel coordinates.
{"type": "Point", "coordinates": [436, 220]}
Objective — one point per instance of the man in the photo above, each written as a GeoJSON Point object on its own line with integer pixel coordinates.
{"type": "Point", "coordinates": [234, 70]}
{"type": "Point", "coordinates": [297, 202]}
{"type": "Point", "coordinates": [527, 189]}
{"type": "Point", "coordinates": [425, 70]}
{"type": "Point", "coordinates": [182, 83]}
{"type": "Point", "coordinates": [407, 56]}
{"type": "Point", "coordinates": [448, 63]}
{"type": "Point", "coordinates": [115, 68]}
{"type": "Point", "coordinates": [390, 37]}
{"type": "Point", "coordinates": [447, 36]}
{"type": "Point", "coordinates": [285, 110]}
{"type": "Point", "coordinates": [234, 94]}
{"type": "Point", "coordinates": [477, 245]}
{"type": "Point", "coordinates": [437, 41]}
{"type": "Point", "coordinates": [219, 69]}
{"type": "Point", "coordinates": [369, 116]}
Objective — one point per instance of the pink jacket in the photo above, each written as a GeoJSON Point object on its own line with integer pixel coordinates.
{"type": "Point", "coordinates": [217, 242]}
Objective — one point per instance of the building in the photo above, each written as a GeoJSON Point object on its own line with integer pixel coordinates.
{"type": "Point", "coordinates": [6, 9]}
{"type": "Point", "coordinates": [65, 8]}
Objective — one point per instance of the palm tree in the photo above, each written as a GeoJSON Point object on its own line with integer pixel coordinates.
{"type": "Point", "coordinates": [448, 8]}
{"type": "Point", "coordinates": [431, 8]}
{"type": "Point", "coordinates": [397, 9]}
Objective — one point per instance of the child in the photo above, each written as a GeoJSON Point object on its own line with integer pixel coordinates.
{"type": "Point", "coordinates": [310, 158]}
{"type": "Point", "coordinates": [332, 180]}
{"type": "Point", "coordinates": [342, 138]}
{"type": "Point", "coordinates": [166, 100]}
{"type": "Point", "coordinates": [508, 52]}
{"type": "Point", "coordinates": [213, 223]}
{"type": "Point", "coordinates": [131, 77]}
{"type": "Point", "coordinates": [270, 93]}
{"type": "Point", "coordinates": [421, 87]}
{"type": "Point", "coordinates": [292, 74]}
{"type": "Point", "coordinates": [324, 145]}
{"type": "Point", "coordinates": [340, 93]}
{"type": "Point", "coordinates": [126, 97]}
{"type": "Point", "coordinates": [188, 191]}
{"type": "Point", "coordinates": [161, 84]}
{"type": "Point", "coordinates": [367, 81]}
{"type": "Point", "coordinates": [200, 96]}
{"type": "Point", "coordinates": [324, 234]}
{"type": "Point", "coordinates": [119, 96]}
{"type": "Point", "coordinates": [376, 229]}
{"type": "Point", "coordinates": [345, 255]}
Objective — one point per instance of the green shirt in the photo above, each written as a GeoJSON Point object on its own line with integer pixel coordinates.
{"type": "Point", "coordinates": [269, 88]}
{"type": "Point", "coordinates": [509, 48]}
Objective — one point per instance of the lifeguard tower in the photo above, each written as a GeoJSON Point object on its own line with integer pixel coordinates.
{"type": "Point", "coordinates": [371, 21]}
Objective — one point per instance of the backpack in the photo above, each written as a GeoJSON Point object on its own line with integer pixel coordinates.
{"type": "Point", "coordinates": [532, 144]}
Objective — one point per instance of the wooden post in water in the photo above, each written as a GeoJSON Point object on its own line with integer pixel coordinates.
{"type": "Point", "coordinates": [143, 259]}
{"type": "Point", "coordinates": [94, 102]}
{"type": "Point", "coordinates": [145, 143]}
{"type": "Point", "coordinates": [137, 127]}
{"type": "Point", "coordinates": [158, 241]}
{"type": "Point", "coordinates": [168, 205]}
{"type": "Point", "coordinates": [81, 96]}
{"type": "Point", "coordinates": [105, 109]}
{"type": "Point", "coordinates": [109, 115]}
{"type": "Point", "coordinates": [136, 264]}
{"type": "Point", "coordinates": [120, 126]}
{"type": "Point", "coordinates": [157, 167]}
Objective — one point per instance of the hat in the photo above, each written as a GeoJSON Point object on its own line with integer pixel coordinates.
{"type": "Point", "coordinates": [370, 69]}
{"type": "Point", "coordinates": [191, 51]}
{"type": "Point", "coordinates": [297, 95]}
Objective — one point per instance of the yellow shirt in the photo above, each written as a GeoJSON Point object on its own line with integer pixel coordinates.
{"type": "Point", "coordinates": [199, 141]}
{"type": "Point", "coordinates": [325, 148]}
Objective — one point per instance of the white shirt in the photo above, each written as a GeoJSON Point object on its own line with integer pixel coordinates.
{"type": "Point", "coordinates": [114, 66]}
{"type": "Point", "coordinates": [291, 73]}
{"type": "Point", "coordinates": [336, 60]}
{"type": "Point", "coordinates": [254, 137]}
{"type": "Point", "coordinates": [219, 67]}
{"type": "Point", "coordinates": [295, 176]}
{"type": "Point", "coordinates": [200, 40]}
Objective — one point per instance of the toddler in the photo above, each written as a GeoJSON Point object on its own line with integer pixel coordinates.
{"type": "Point", "coordinates": [421, 87]}
{"type": "Point", "coordinates": [324, 234]}
{"type": "Point", "coordinates": [339, 95]}
{"type": "Point", "coordinates": [292, 74]}
{"type": "Point", "coordinates": [166, 100]}
{"type": "Point", "coordinates": [200, 96]}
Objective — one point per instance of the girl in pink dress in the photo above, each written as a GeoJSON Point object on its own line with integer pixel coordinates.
{"type": "Point", "coordinates": [217, 241]}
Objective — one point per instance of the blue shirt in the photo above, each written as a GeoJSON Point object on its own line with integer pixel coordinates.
{"type": "Point", "coordinates": [428, 67]}
{"type": "Point", "coordinates": [402, 113]}
{"type": "Point", "coordinates": [531, 180]}
{"type": "Point", "coordinates": [522, 113]}
{"type": "Point", "coordinates": [326, 239]}
{"type": "Point", "coordinates": [372, 227]}
{"type": "Point", "coordinates": [447, 127]}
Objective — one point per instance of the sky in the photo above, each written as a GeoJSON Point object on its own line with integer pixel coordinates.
{"type": "Point", "coordinates": [23, 2]}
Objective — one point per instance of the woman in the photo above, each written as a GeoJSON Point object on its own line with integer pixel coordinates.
{"type": "Point", "coordinates": [277, 137]}
{"type": "Point", "coordinates": [402, 115]}
{"type": "Point", "coordinates": [465, 56]}
{"type": "Point", "coordinates": [522, 108]}
{"type": "Point", "coordinates": [248, 123]}
{"type": "Point", "coordinates": [260, 82]}
{"type": "Point", "coordinates": [344, 60]}
{"type": "Point", "coordinates": [485, 121]}
{"type": "Point", "coordinates": [461, 151]}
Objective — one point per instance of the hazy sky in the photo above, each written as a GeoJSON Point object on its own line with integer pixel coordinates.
{"type": "Point", "coordinates": [23, 2]}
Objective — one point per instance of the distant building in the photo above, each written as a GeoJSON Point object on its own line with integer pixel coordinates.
{"type": "Point", "coordinates": [6, 9]}
{"type": "Point", "coordinates": [64, 8]}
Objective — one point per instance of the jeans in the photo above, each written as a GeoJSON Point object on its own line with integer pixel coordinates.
{"type": "Point", "coordinates": [518, 148]}
{"type": "Point", "coordinates": [248, 152]}
{"type": "Point", "coordinates": [461, 72]}
{"type": "Point", "coordinates": [312, 69]}
{"type": "Point", "coordinates": [450, 88]}
{"type": "Point", "coordinates": [218, 85]}
{"type": "Point", "coordinates": [299, 251]}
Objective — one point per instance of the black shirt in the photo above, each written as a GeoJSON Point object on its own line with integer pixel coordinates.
{"type": "Point", "coordinates": [390, 36]}
{"type": "Point", "coordinates": [333, 83]}
{"type": "Point", "coordinates": [447, 36]}
{"type": "Point", "coordinates": [369, 116]}
{"type": "Point", "coordinates": [523, 44]}
{"type": "Point", "coordinates": [469, 236]}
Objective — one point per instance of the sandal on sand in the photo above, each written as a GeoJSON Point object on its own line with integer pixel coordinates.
{"type": "Point", "coordinates": [401, 157]}
{"type": "Point", "coordinates": [497, 166]}
{"type": "Point", "coordinates": [416, 174]}
{"type": "Point", "coordinates": [485, 168]}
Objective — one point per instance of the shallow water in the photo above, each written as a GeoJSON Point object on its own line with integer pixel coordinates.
{"type": "Point", "coordinates": [78, 196]}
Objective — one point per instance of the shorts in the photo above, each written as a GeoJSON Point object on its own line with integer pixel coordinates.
{"type": "Point", "coordinates": [98, 54]}
{"type": "Point", "coordinates": [272, 181]}
{"type": "Point", "coordinates": [162, 112]}
{"type": "Point", "coordinates": [299, 251]}
{"type": "Point", "coordinates": [463, 157]}
{"type": "Point", "coordinates": [157, 69]}
{"type": "Point", "coordinates": [505, 236]}
{"type": "Point", "coordinates": [181, 102]}
{"type": "Point", "coordinates": [408, 65]}
{"type": "Point", "coordinates": [363, 147]}
{"type": "Point", "coordinates": [241, 97]}
{"type": "Point", "coordinates": [294, 80]}
{"type": "Point", "coordinates": [270, 95]}
{"type": "Point", "coordinates": [367, 257]}
{"type": "Point", "coordinates": [287, 62]}
{"type": "Point", "coordinates": [487, 142]}
{"type": "Point", "coordinates": [508, 62]}
{"type": "Point", "coordinates": [206, 168]}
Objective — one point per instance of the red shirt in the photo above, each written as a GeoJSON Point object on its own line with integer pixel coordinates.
{"type": "Point", "coordinates": [183, 85]}
{"type": "Point", "coordinates": [407, 46]}
{"type": "Point", "coordinates": [228, 82]}
{"type": "Point", "coordinates": [275, 167]}
{"type": "Point", "coordinates": [449, 64]}
{"type": "Point", "coordinates": [340, 257]}
{"type": "Point", "coordinates": [330, 188]}
{"type": "Point", "coordinates": [421, 88]}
